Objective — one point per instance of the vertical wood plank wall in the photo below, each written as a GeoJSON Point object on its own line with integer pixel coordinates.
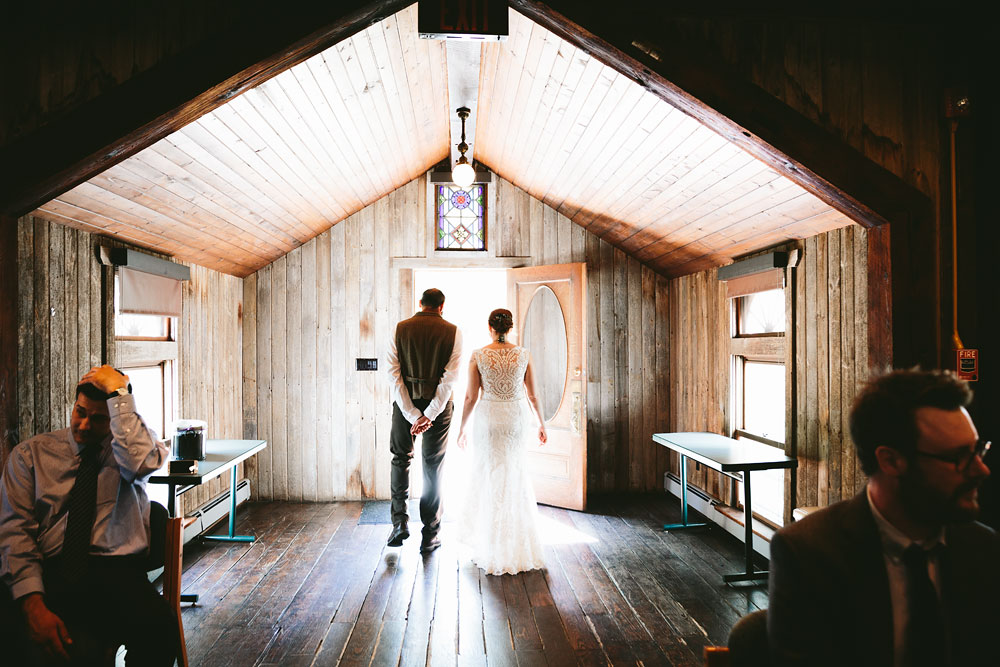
{"type": "Point", "coordinates": [210, 358]}
{"type": "Point", "coordinates": [312, 312]}
{"type": "Point", "coordinates": [699, 367]}
{"type": "Point", "coordinates": [831, 363]}
{"type": "Point", "coordinates": [61, 334]}
{"type": "Point", "coordinates": [657, 349]}
{"type": "Point", "coordinates": [59, 320]}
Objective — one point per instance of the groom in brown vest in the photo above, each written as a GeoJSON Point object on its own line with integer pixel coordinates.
{"type": "Point", "coordinates": [423, 361]}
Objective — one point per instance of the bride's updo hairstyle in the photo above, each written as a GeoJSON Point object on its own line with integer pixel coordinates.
{"type": "Point", "coordinates": [501, 321]}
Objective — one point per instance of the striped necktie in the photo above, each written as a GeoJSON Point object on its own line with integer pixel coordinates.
{"type": "Point", "coordinates": [82, 506]}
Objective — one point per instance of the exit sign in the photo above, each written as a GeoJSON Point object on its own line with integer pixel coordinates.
{"type": "Point", "coordinates": [462, 19]}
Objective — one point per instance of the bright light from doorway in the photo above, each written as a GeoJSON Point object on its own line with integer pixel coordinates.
{"type": "Point", "coordinates": [470, 296]}
{"type": "Point", "coordinates": [556, 532]}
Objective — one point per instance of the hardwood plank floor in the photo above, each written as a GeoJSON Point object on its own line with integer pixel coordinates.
{"type": "Point", "coordinates": [318, 588]}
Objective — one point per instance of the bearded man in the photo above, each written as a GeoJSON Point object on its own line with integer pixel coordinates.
{"type": "Point", "coordinates": [901, 574]}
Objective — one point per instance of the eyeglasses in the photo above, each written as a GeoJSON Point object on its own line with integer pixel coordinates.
{"type": "Point", "coordinates": [963, 459]}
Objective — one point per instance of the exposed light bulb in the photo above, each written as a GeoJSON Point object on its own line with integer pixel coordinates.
{"type": "Point", "coordinates": [463, 175]}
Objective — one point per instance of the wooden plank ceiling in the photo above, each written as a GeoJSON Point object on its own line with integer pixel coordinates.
{"type": "Point", "coordinates": [282, 163]}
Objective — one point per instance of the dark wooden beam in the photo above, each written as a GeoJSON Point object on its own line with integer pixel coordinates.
{"type": "Point", "coordinates": [689, 76]}
{"type": "Point", "coordinates": [151, 105]}
{"type": "Point", "coordinates": [880, 302]}
{"type": "Point", "coordinates": [8, 336]}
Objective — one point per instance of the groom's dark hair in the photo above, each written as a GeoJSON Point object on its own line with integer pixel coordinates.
{"type": "Point", "coordinates": [432, 298]}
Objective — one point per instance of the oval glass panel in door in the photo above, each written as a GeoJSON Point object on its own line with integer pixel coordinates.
{"type": "Point", "coordinates": [545, 339]}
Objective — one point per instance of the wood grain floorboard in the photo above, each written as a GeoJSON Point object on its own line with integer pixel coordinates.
{"type": "Point", "coordinates": [643, 593]}
{"type": "Point", "coordinates": [318, 588]}
{"type": "Point", "coordinates": [703, 592]}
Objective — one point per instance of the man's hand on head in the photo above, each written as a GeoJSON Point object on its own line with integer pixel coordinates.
{"type": "Point", "coordinates": [421, 425]}
{"type": "Point", "coordinates": [45, 628]}
{"type": "Point", "coordinates": [105, 378]}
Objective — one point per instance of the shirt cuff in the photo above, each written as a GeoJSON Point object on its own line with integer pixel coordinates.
{"type": "Point", "coordinates": [27, 586]}
{"type": "Point", "coordinates": [436, 412]}
{"type": "Point", "coordinates": [119, 405]}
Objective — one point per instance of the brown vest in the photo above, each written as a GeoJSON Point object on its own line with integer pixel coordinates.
{"type": "Point", "coordinates": [424, 344]}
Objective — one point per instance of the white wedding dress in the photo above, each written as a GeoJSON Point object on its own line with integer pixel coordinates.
{"type": "Point", "coordinates": [499, 517]}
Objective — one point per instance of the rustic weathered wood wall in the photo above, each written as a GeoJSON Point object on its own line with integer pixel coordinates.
{"type": "Point", "coordinates": [311, 313]}
{"type": "Point", "coordinates": [829, 336]}
{"type": "Point", "coordinates": [699, 366]}
{"type": "Point", "coordinates": [210, 374]}
{"type": "Point", "coordinates": [64, 328]}
{"type": "Point", "coordinates": [60, 321]}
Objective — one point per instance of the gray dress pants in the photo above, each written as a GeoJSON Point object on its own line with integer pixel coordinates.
{"type": "Point", "coordinates": [434, 443]}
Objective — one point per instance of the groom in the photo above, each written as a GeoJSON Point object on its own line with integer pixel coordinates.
{"type": "Point", "coordinates": [423, 361]}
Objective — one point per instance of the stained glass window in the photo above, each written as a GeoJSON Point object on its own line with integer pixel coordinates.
{"type": "Point", "coordinates": [461, 217]}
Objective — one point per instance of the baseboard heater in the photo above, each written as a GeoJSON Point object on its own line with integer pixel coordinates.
{"type": "Point", "coordinates": [215, 510]}
{"type": "Point", "coordinates": [699, 500]}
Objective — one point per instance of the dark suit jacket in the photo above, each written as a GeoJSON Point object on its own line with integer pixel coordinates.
{"type": "Point", "coordinates": [829, 591]}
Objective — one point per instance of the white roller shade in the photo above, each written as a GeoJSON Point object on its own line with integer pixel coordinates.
{"type": "Point", "coordinates": [148, 294]}
{"type": "Point", "coordinates": [755, 282]}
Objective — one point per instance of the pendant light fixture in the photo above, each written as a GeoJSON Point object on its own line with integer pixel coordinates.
{"type": "Point", "coordinates": [462, 174]}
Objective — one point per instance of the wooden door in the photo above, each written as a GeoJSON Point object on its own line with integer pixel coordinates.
{"type": "Point", "coordinates": [549, 304]}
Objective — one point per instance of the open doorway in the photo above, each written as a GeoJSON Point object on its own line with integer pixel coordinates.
{"type": "Point", "coordinates": [470, 296]}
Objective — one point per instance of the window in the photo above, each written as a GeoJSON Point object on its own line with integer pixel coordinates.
{"type": "Point", "coordinates": [460, 217]}
{"type": "Point", "coordinates": [758, 369]}
{"type": "Point", "coordinates": [146, 351]}
{"type": "Point", "coordinates": [761, 313]}
{"type": "Point", "coordinates": [763, 399]}
{"type": "Point", "coordinates": [152, 387]}
{"type": "Point", "coordinates": [135, 326]}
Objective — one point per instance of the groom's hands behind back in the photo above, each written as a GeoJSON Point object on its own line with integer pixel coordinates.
{"type": "Point", "coordinates": [421, 425]}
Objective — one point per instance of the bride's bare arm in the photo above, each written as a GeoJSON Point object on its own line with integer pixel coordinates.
{"type": "Point", "coordinates": [532, 391]}
{"type": "Point", "coordinates": [471, 398]}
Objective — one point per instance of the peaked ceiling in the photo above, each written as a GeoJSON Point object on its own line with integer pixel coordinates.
{"type": "Point", "coordinates": [285, 161]}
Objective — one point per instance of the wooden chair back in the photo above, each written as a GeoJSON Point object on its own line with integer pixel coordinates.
{"type": "Point", "coordinates": [172, 564]}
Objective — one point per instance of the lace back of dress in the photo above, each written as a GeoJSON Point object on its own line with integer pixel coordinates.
{"type": "Point", "coordinates": [502, 372]}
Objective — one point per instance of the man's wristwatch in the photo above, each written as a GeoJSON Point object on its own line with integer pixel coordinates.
{"type": "Point", "coordinates": [120, 391]}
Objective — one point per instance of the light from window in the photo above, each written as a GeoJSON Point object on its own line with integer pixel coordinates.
{"type": "Point", "coordinates": [768, 489]}
{"type": "Point", "coordinates": [461, 218]}
{"type": "Point", "coordinates": [148, 384]}
{"type": "Point", "coordinates": [764, 399]}
{"type": "Point", "coordinates": [763, 312]}
{"type": "Point", "coordinates": [131, 325]}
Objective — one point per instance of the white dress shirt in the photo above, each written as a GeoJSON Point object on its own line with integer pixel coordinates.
{"type": "Point", "coordinates": [894, 543]}
{"type": "Point", "coordinates": [401, 395]}
{"type": "Point", "coordinates": [39, 475]}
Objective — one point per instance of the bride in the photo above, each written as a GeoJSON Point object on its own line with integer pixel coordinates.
{"type": "Point", "coordinates": [499, 516]}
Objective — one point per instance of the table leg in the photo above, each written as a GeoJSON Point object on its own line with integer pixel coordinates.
{"type": "Point", "coordinates": [749, 574]}
{"type": "Point", "coordinates": [171, 500]}
{"type": "Point", "coordinates": [684, 502]}
{"type": "Point", "coordinates": [231, 537]}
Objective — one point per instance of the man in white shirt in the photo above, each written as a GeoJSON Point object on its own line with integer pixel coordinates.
{"type": "Point", "coordinates": [900, 575]}
{"type": "Point", "coordinates": [74, 535]}
{"type": "Point", "coordinates": [423, 361]}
